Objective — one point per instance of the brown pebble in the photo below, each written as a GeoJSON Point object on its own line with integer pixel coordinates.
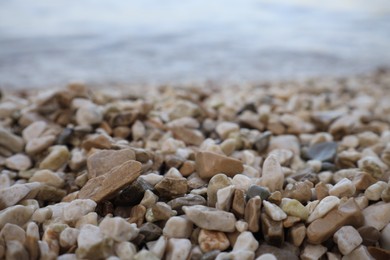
{"type": "Point", "coordinates": [297, 234]}
{"type": "Point", "coordinates": [97, 141]}
{"type": "Point", "coordinates": [275, 197]}
{"type": "Point", "coordinates": [370, 235]}
{"type": "Point", "coordinates": [137, 215]}
{"type": "Point", "coordinates": [209, 164]}
{"type": "Point", "coordinates": [322, 190]}
{"type": "Point", "coordinates": [300, 191]}
{"type": "Point", "coordinates": [272, 230]}
{"type": "Point", "coordinates": [363, 180]}
{"type": "Point", "coordinates": [379, 253]}
{"type": "Point", "coordinates": [187, 168]}
{"type": "Point", "coordinates": [252, 214]}
{"type": "Point", "coordinates": [170, 187]}
{"type": "Point", "coordinates": [238, 204]}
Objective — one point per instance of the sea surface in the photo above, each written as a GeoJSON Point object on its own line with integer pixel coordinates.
{"type": "Point", "coordinates": [47, 43]}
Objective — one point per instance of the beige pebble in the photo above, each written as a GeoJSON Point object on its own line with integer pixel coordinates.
{"type": "Point", "coordinates": [178, 227]}
{"type": "Point", "coordinates": [19, 162]}
{"type": "Point", "coordinates": [118, 229]}
{"type": "Point", "coordinates": [347, 239]}
{"type": "Point", "coordinates": [344, 188]}
{"type": "Point", "coordinates": [178, 248]}
{"type": "Point", "coordinates": [246, 241]}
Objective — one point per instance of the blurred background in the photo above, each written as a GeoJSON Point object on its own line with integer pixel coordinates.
{"type": "Point", "coordinates": [47, 43]}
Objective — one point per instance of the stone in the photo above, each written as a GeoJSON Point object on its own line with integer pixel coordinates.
{"type": "Point", "coordinates": [68, 237]}
{"type": "Point", "coordinates": [50, 193]}
{"type": "Point", "coordinates": [241, 226]}
{"type": "Point", "coordinates": [360, 253]}
{"type": "Point", "coordinates": [284, 156]}
{"type": "Point", "coordinates": [149, 199]}
{"type": "Point", "coordinates": [217, 182]}
{"type": "Point", "coordinates": [92, 244]}
{"type": "Point", "coordinates": [15, 250]}
{"type": "Point", "coordinates": [212, 240]}
{"type": "Point", "coordinates": [294, 208]}
{"type": "Point", "coordinates": [58, 156]}
{"type": "Point", "coordinates": [255, 190]}
{"type": "Point", "coordinates": [363, 180]}
{"type": "Point", "coordinates": [267, 257]}
{"type": "Point", "coordinates": [252, 214]}
{"type": "Point", "coordinates": [228, 146]}
{"type": "Point", "coordinates": [239, 254]}
{"type": "Point", "coordinates": [150, 231]}
{"type": "Point", "coordinates": [242, 182]}
{"type": "Point", "coordinates": [210, 218]}
{"type": "Point", "coordinates": [89, 114]}
{"type": "Point", "coordinates": [326, 204]}
{"type": "Point", "coordinates": [10, 141]}
{"type": "Point", "coordinates": [272, 230]}
{"type": "Point", "coordinates": [384, 239]}
{"type": "Point", "coordinates": [246, 241]}
{"type": "Point", "coordinates": [379, 253]}
{"type": "Point", "coordinates": [297, 234]}
{"type": "Point", "coordinates": [32, 238]}
{"type": "Point", "coordinates": [238, 204]}
{"type": "Point", "coordinates": [137, 215]}
{"type": "Point", "coordinates": [262, 142]}
{"type": "Point", "coordinates": [278, 252]}
{"type": "Point", "coordinates": [125, 250]}
{"type": "Point", "coordinates": [170, 187]}
{"type": "Point", "coordinates": [13, 232]}
{"type": "Point", "coordinates": [374, 191]}
{"type": "Point", "coordinates": [188, 136]}
{"type": "Point", "coordinates": [18, 215]}
{"type": "Point", "coordinates": [158, 247]}
{"type": "Point", "coordinates": [377, 215]}
{"type": "Point", "coordinates": [225, 198]}
{"type": "Point", "coordinates": [370, 235]}
{"type": "Point", "coordinates": [67, 257]}
{"type": "Point", "coordinates": [48, 177]}
{"type": "Point", "coordinates": [209, 164]}
{"type": "Point", "coordinates": [13, 194]}
{"type": "Point", "coordinates": [39, 144]}
{"type": "Point", "coordinates": [343, 188]}
{"type": "Point", "coordinates": [274, 211]}
{"type": "Point", "coordinates": [152, 178]}
{"type": "Point", "coordinates": [104, 186]}
{"type": "Point", "coordinates": [347, 239]}
{"type": "Point", "coordinates": [347, 213]}
{"type": "Point", "coordinates": [178, 227]}
{"type": "Point", "coordinates": [34, 130]}
{"type": "Point", "coordinates": [312, 252]}
{"type": "Point", "coordinates": [385, 196]}
{"type": "Point", "coordinates": [372, 165]}
{"type": "Point", "coordinates": [159, 211]}
{"type": "Point", "coordinates": [78, 208]}
{"type": "Point", "coordinates": [177, 248]}
{"type": "Point", "coordinates": [134, 193]}
{"type": "Point", "coordinates": [224, 129]}
{"type": "Point", "coordinates": [272, 174]}
{"type": "Point", "coordinates": [300, 191]}
{"type": "Point", "coordinates": [18, 162]}
{"type": "Point", "coordinates": [290, 221]}
{"type": "Point", "coordinates": [118, 229]}
{"type": "Point", "coordinates": [103, 161]}
{"type": "Point", "coordinates": [97, 141]}
{"type": "Point", "coordinates": [188, 200]}
{"type": "Point", "coordinates": [325, 151]}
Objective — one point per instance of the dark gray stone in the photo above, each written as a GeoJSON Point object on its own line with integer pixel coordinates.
{"type": "Point", "coordinates": [255, 190]}
{"type": "Point", "coordinates": [325, 151]}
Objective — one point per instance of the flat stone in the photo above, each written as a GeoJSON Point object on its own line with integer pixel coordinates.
{"type": "Point", "coordinates": [347, 213]}
{"type": "Point", "coordinates": [272, 210]}
{"type": "Point", "coordinates": [104, 186]}
{"type": "Point", "coordinates": [103, 161]}
{"type": "Point", "coordinates": [370, 235]}
{"type": "Point", "coordinates": [78, 208]}
{"type": "Point", "coordinates": [347, 239]}
{"type": "Point", "coordinates": [377, 215]}
{"type": "Point", "coordinates": [92, 244]}
{"type": "Point", "coordinates": [188, 200]}
{"type": "Point", "coordinates": [252, 214]}
{"type": "Point", "coordinates": [210, 218]}
{"type": "Point", "coordinates": [326, 204]}
{"type": "Point", "coordinates": [209, 164]}
{"type": "Point", "coordinates": [58, 156]}
{"type": "Point", "coordinates": [170, 187]}
{"type": "Point", "coordinates": [133, 193]}
{"type": "Point", "coordinates": [255, 190]}
{"type": "Point", "coordinates": [18, 162]}
{"type": "Point", "coordinates": [295, 208]}
{"type": "Point", "coordinates": [325, 151]}
{"type": "Point", "coordinates": [246, 241]}
{"type": "Point", "coordinates": [10, 141]}
{"type": "Point", "coordinates": [178, 248]}
{"type": "Point", "coordinates": [48, 177]}
{"type": "Point", "coordinates": [272, 230]}
{"type": "Point", "coordinates": [178, 227]}
{"type": "Point", "coordinates": [212, 240]}
{"type": "Point", "coordinates": [18, 215]}
{"type": "Point", "coordinates": [216, 183]}
{"type": "Point", "coordinates": [39, 144]}
{"type": "Point", "coordinates": [118, 229]}
{"type": "Point", "coordinates": [312, 252]}
{"type": "Point", "coordinates": [344, 188]}
{"type": "Point", "coordinates": [272, 174]}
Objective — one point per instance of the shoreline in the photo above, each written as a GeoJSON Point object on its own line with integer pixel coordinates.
{"type": "Point", "coordinates": [277, 170]}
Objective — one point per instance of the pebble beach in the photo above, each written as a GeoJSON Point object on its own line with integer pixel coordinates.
{"type": "Point", "coordinates": [280, 170]}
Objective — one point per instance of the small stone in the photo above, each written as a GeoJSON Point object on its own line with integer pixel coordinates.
{"type": "Point", "coordinates": [370, 235]}
{"type": "Point", "coordinates": [294, 208]}
{"type": "Point", "coordinates": [374, 192]}
{"type": "Point", "coordinates": [347, 239]}
{"type": "Point", "coordinates": [103, 161]}
{"type": "Point", "coordinates": [246, 241]}
{"type": "Point", "coordinates": [255, 190]}
{"type": "Point", "coordinates": [241, 226]}
{"type": "Point", "coordinates": [384, 240]}
{"type": "Point", "coordinates": [178, 248]}
{"type": "Point", "coordinates": [373, 165]}
{"type": "Point", "coordinates": [15, 250]}
{"type": "Point", "coordinates": [134, 193]}
{"type": "Point", "coordinates": [225, 198]}
{"type": "Point", "coordinates": [239, 254]}
{"type": "Point", "coordinates": [274, 211]}
{"type": "Point", "coordinates": [212, 240]}
{"type": "Point", "coordinates": [12, 195]}
{"type": "Point", "coordinates": [209, 164]}
{"type": "Point", "coordinates": [170, 187]}
{"type": "Point", "coordinates": [10, 141]}
{"type": "Point", "coordinates": [252, 214]}
{"type": "Point", "coordinates": [68, 237]}
{"type": "Point", "coordinates": [297, 234]}
{"type": "Point", "coordinates": [42, 214]}
{"type": "Point", "coordinates": [300, 191]}
{"type": "Point", "coordinates": [379, 253]}
{"type": "Point", "coordinates": [18, 162]}
{"type": "Point", "coordinates": [284, 156]}
{"type": "Point", "coordinates": [152, 178]}
{"type": "Point", "coordinates": [78, 208]}
{"type": "Point", "coordinates": [97, 141]}
{"type": "Point", "coordinates": [92, 244]}
{"type": "Point", "coordinates": [158, 247]}
{"type": "Point", "coordinates": [238, 204]}
{"type": "Point", "coordinates": [242, 182]}
{"type": "Point", "coordinates": [77, 159]}
{"type": "Point", "coordinates": [48, 177]}
{"type": "Point", "coordinates": [58, 156]}
{"type": "Point", "coordinates": [188, 200]}
{"type": "Point", "coordinates": [149, 199]}
{"type": "Point", "coordinates": [40, 144]}
{"type": "Point", "coordinates": [137, 215]}
{"type": "Point", "coordinates": [150, 231]}
{"type": "Point", "coordinates": [267, 257]}
{"type": "Point", "coordinates": [313, 252]}
{"type": "Point", "coordinates": [343, 188]}
{"type": "Point", "coordinates": [178, 227]}
{"type": "Point", "coordinates": [325, 151]}
{"type": "Point", "coordinates": [18, 215]}
{"type": "Point", "coordinates": [290, 221]}
{"type": "Point", "coordinates": [288, 142]}
{"type": "Point", "coordinates": [125, 250]}
{"type": "Point", "coordinates": [188, 136]}
{"type": "Point", "coordinates": [89, 114]}
{"type": "Point", "coordinates": [228, 146]}
{"type": "Point", "coordinates": [360, 252]}
{"type": "Point", "coordinates": [103, 186]}
{"type": "Point", "coordinates": [217, 182]}
{"type": "Point", "coordinates": [262, 142]}
{"type": "Point", "coordinates": [34, 130]}
{"type": "Point", "coordinates": [272, 175]}
{"type": "Point", "coordinates": [32, 238]}
{"type": "Point", "coordinates": [363, 180]}
{"type": "Point", "coordinates": [377, 215]}
{"type": "Point", "coordinates": [278, 252]}
{"type": "Point", "coordinates": [210, 218]}
{"type": "Point", "coordinates": [118, 229]}
{"type": "Point", "coordinates": [272, 230]}
{"type": "Point", "coordinates": [160, 211]}
{"type": "Point", "coordinates": [385, 196]}
{"type": "Point", "coordinates": [187, 168]}
{"type": "Point", "coordinates": [13, 232]}
{"type": "Point", "coordinates": [225, 128]}
{"type": "Point", "coordinates": [326, 204]}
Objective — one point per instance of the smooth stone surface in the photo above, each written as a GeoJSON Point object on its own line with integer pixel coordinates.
{"type": "Point", "coordinates": [255, 190]}
{"type": "Point", "coordinates": [300, 191]}
{"type": "Point", "coordinates": [158, 247]}
{"type": "Point", "coordinates": [118, 229]}
{"type": "Point", "coordinates": [294, 208]}
{"type": "Point", "coordinates": [272, 210]}
{"type": "Point", "coordinates": [288, 142]}
{"type": "Point", "coordinates": [347, 239]}
{"type": "Point", "coordinates": [272, 174]}
{"type": "Point", "coordinates": [326, 204]}
{"type": "Point", "coordinates": [212, 240]}
{"type": "Point", "coordinates": [344, 188]}
{"type": "Point", "coordinates": [48, 177]}
{"type": "Point", "coordinates": [150, 231]}
{"type": "Point", "coordinates": [252, 214]}
{"type": "Point", "coordinates": [103, 186]}
{"type": "Point", "coordinates": [379, 253]}
{"type": "Point", "coordinates": [325, 151]}
{"type": "Point", "coordinates": [369, 234]}
{"type": "Point", "coordinates": [58, 156]}
{"type": "Point", "coordinates": [18, 162]}
{"type": "Point", "coordinates": [216, 183]}
{"type": "Point", "coordinates": [178, 227]}
{"type": "Point", "coordinates": [178, 248]}
{"type": "Point", "coordinates": [210, 218]}
{"type": "Point", "coordinates": [377, 215]}
{"type": "Point", "coordinates": [13, 232]}
{"type": "Point", "coordinates": [209, 164]}
{"type": "Point", "coordinates": [246, 241]}
{"type": "Point", "coordinates": [92, 244]}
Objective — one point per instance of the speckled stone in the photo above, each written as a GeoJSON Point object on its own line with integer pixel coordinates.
{"type": "Point", "coordinates": [212, 240]}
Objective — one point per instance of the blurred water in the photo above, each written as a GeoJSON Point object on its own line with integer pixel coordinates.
{"type": "Point", "coordinates": [45, 42]}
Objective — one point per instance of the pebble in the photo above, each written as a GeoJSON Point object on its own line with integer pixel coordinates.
{"type": "Point", "coordinates": [18, 162]}
{"type": "Point", "coordinates": [242, 182]}
{"type": "Point", "coordinates": [58, 156]}
{"type": "Point", "coordinates": [384, 240]}
{"type": "Point", "coordinates": [48, 177]}
{"type": "Point", "coordinates": [170, 187]}
{"type": "Point", "coordinates": [294, 208]}
{"type": "Point", "coordinates": [347, 239]}
{"type": "Point", "coordinates": [255, 190]}
{"type": "Point", "coordinates": [373, 165]}
{"type": "Point", "coordinates": [89, 114]}
{"type": "Point", "coordinates": [297, 234]}
{"type": "Point", "coordinates": [10, 141]}
{"type": "Point", "coordinates": [159, 211]}
{"type": "Point", "coordinates": [252, 213]}
{"type": "Point", "coordinates": [178, 227]}
{"type": "Point", "coordinates": [223, 129]}
{"type": "Point", "coordinates": [34, 130]}
{"type": "Point", "coordinates": [344, 188]}
{"type": "Point", "coordinates": [246, 241]}
{"type": "Point", "coordinates": [125, 250]}
{"type": "Point", "coordinates": [360, 252]}
{"type": "Point", "coordinates": [149, 199]}
{"type": "Point", "coordinates": [158, 247]}
{"type": "Point", "coordinates": [272, 174]}
{"type": "Point", "coordinates": [325, 151]}
{"type": "Point", "coordinates": [209, 164]}
{"type": "Point", "coordinates": [266, 257]}
{"type": "Point", "coordinates": [272, 230]}
{"type": "Point", "coordinates": [13, 232]}
{"type": "Point", "coordinates": [134, 193]}
{"type": "Point", "coordinates": [377, 215]}
{"type": "Point", "coordinates": [118, 229]}
{"type": "Point", "coordinates": [225, 198]}
{"type": "Point", "coordinates": [92, 244]}
{"type": "Point", "coordinates": [312, 252]}
{"type": "Point", "coordinates": [274, 211]}
{"type": "Point", "coordinates": [326, 204]}
{"type": "Point", "coordinates": [374, 191]}
{"type": "Point", "coordinates": [238, 204]}
{"type": "Point", "coordinates": [216, 183]}
{"type": "Point", "coordinates": [177, 248]}
{"type": "Point", "coordinates": [188, 200]}
{"type": "Point", "coordinates": [288, 142]}
{"type": "Point", "coordinates": [212, 240]}
{"type": "Point", "coordinates": [39, 144]}
{"type": "Point", "coordinates": [210, 218]}
{"type": "Point", "coordinates": [369, 234]}
{"type": "Point", "coordinates": [18, 215]}
{"type": "Point", "coordinates": [13, 194]}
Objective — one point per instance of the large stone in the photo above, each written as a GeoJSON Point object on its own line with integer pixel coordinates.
{"type": "Point", "coordinates": [209, 164]}
{"type": "Point", "coordinates": [106, 185]}
{"type": "Point", "coordinates": [103, 161]}
{"type": "Point", "coordinates": [272, 174]}
{"type": "Point", "coordinates": [210, 218]}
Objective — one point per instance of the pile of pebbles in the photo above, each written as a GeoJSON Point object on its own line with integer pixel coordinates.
{"type": "Point", "coordinates": [278, 171]}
